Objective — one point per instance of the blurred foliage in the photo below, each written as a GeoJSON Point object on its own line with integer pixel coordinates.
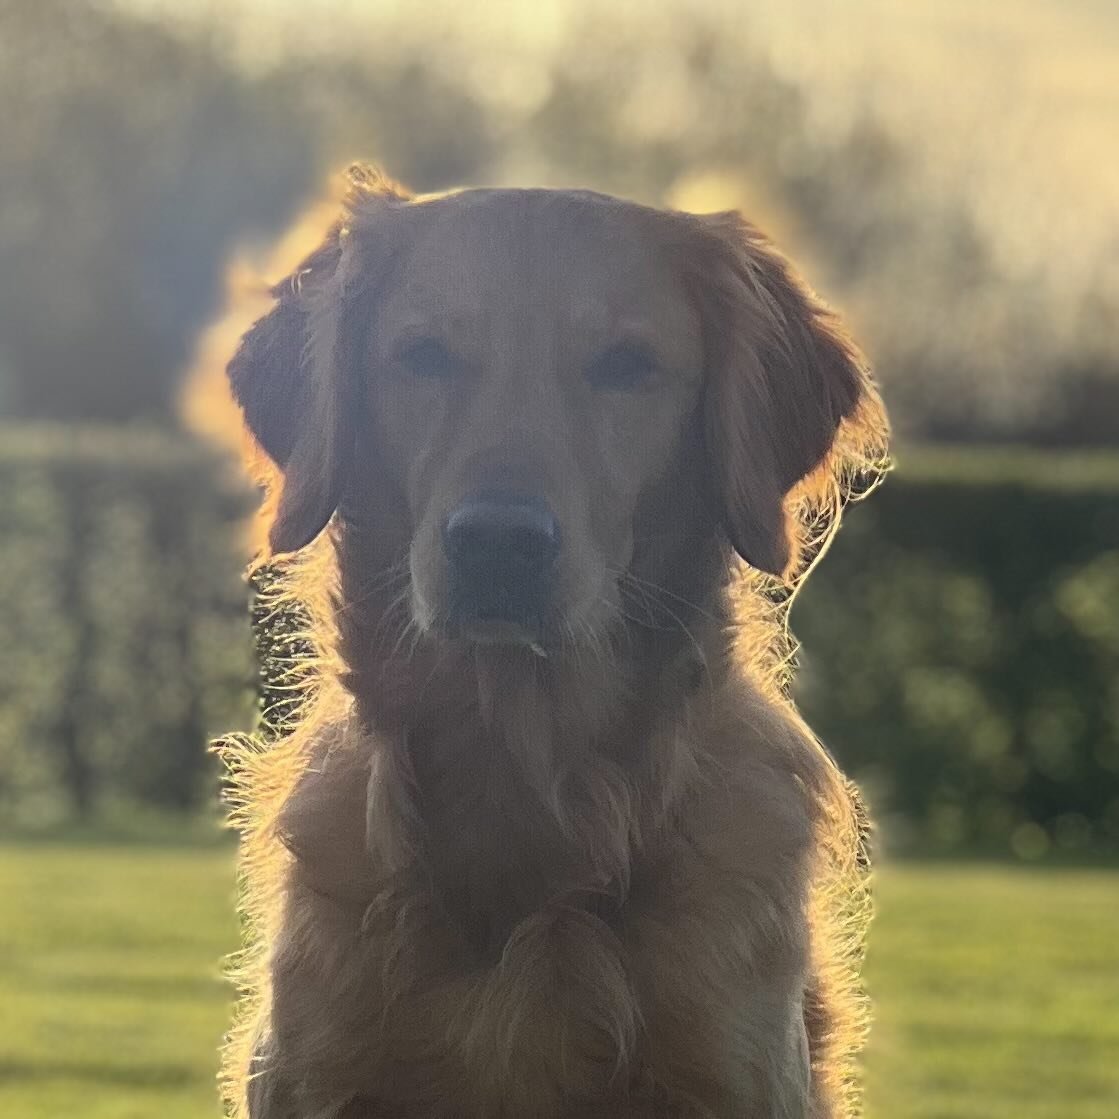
{"type": "Point", "coordinates": [123, 641]}
{"type": "Point", "coordinates": [283, 652]}
{"type": "Point", "coordinates": [134, 155]}
{"type": "Point", "coordinates": [961, 655]}
{"type": "Point", "coordinates": [129, 161]}
{"type": "Point", "coordinates": [132, 160]}
{"type": "Point", "coordinates": [960, 640]}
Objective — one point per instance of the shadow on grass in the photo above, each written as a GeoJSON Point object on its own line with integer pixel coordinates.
{"type": "Point", "coordinates": [146, 1075]}
{"type": "Point", "coordinates": [140, 828]}
{"type": "Point", "coordinates": [997, 857]}
{"type": "Point", "coordinates": [180, 987]}
{"type": "Point", "coordinates": [127, 829]}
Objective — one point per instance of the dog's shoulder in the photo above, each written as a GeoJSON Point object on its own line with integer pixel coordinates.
{"type": "Point", "coordinates": [761, 780]}
{"type": "Point", "coordinates": [322, 821]}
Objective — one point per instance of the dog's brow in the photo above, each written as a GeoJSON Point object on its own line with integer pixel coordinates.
{"type": "Point", "coordinates": [636, 332]}
{"type": "Point", "coordinates": [432, 316]}
{"type": "Point", "coordinates": [424, 295]}
{"type": "Point", "coordinates": [603, 331]}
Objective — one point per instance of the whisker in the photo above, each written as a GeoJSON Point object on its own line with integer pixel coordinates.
{"type": "Point", "coordinates": [600, 639]}
{"type": "Point", "coordinates": [647, 601]}
{"type": "Point", "coordinates": [417, 637]}
{"type": "Point", "coordinates": [408, 628]}
{"type": "Point", "coordinates": [573, 642]}
{"type": "Point", "coordinates": [436, 665]}
{"type": "Point", "coordinates": [379, 582]}
{"type": "Point", "coordinates": [653, 589]}
{"type": "Point", "coordinates": [389, 616]}
{"type": "Point", "coordinates": [629, 617]}
{"type": "Point", "coordinates": [628, 576]}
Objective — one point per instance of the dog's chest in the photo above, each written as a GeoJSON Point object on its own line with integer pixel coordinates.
{"type": "Point", "coordinates": [411, 1016]}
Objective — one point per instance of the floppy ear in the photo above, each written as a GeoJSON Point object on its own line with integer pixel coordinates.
{"type": "Point", "coordinates": [781, 376]}
{"type": "Point", "coordinates": [286, 395]}
{"type": "Point", "coordinates": [289, 374]}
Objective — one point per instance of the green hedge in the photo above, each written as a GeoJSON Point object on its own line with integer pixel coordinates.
{"type": "Point", "coordinates": [123, 641]}
{"type": "Point", "coordinates": [960, 650]}
{"type": "Point", "coordinates": [960, 643]}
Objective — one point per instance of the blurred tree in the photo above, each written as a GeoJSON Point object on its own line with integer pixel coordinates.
{"type": "Point", "coordinates": [968, 348]}
{"type": "Point", "coordinates": [123, 638]}
{"type": "Point", "coordinates": [982, 594]}
{"type": "Point", "coordinates": [412, 115]}
{"type": "Point", "coordinates": [133, 157]}
{"type": "Point", "coordinates": [130, 159]}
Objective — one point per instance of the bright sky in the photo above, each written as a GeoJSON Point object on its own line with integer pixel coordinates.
{"type": "Point", "coordinates": [1019, 99]}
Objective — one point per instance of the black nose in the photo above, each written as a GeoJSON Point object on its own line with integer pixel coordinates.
{"type": "Point", "coordinates": [506, 530]}
{"type": "Point", "coordinates": [501, 551]}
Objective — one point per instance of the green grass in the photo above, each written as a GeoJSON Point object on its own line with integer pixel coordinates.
{"type": "Point", "coordinates": [996, 994]}
{"type": "Point", "coordinates": [111, 998]}
{"type": "Point", "coordinates": [996, 989]}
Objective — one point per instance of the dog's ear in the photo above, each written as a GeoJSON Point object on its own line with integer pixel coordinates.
{"type": "Point", "coordinates": [286, 396]}
{"type": "Point", "coordinates": [289, 373]}
{"type": "Point", "coordinates": [781, 376]}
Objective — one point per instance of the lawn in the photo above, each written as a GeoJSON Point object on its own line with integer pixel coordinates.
{"type": "Point", "coordinates": [996, 989]}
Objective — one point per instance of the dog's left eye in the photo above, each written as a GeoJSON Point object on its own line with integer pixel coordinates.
{"type": "Point", "coordinates": [621, 367]}
{"type": "Point", "coordinates": [428, 357]}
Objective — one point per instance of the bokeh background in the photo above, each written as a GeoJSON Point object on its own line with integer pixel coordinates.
{"type": "Point", "coordinates": [946, 172]}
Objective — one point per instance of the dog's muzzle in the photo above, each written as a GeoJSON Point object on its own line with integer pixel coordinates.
{"type": "Point", "coordinates": [502, 550]}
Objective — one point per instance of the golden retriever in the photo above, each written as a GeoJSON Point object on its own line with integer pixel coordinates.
{"type": "Point", "coordinates": [550, 839]}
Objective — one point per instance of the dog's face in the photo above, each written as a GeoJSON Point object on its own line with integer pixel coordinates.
{"type": "Point", "coordinates": [515, 372]}
{"type": "Point", "coordinates": [530, 371]}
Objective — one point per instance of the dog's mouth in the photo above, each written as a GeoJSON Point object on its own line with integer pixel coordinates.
{"type": "Point", "coordinates": [493, 612]}
{"type": "Point", "coordinates": [501, 632]}
{"type": "Point", "coordinates": [502, 617]}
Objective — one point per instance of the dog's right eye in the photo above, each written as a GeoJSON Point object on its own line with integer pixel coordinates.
{"type": "Point", "coordinates": [624, 367]}
{"type": "Point", "coordinates": [428, 357]}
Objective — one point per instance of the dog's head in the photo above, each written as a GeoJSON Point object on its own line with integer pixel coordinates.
{"type": "Point", "coordinates": [506, 385]}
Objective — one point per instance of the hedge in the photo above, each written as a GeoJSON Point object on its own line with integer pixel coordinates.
{"type": "Point", "coordinates": [960, 649]}
{"type": "Point", "coordinates": [960, 643]}
{"type": "Point", "coordinates": [123, 641]}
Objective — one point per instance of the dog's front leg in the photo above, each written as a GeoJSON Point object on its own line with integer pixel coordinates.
{"type": "Point", "coordinates": [752, 1062]}
{"type": "Point", "coordinates": [721, 978]}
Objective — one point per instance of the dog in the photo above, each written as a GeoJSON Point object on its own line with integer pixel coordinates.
{"type": "Point", "coordinates": [550, 839]}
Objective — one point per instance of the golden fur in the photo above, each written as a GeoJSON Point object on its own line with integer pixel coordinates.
{"type": "Point", "coordinates": [619, 880]}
